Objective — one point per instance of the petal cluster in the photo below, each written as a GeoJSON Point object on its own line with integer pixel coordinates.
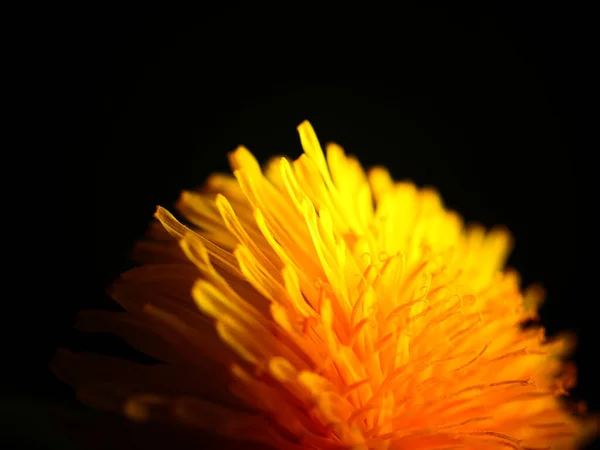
{"type": "Point", "coordinates": [311, 304]}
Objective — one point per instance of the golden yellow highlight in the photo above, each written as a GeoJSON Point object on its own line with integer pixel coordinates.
{"type": "Point", "coordinates": [312, 305]}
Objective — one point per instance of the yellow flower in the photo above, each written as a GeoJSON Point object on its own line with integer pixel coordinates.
{"type": "Point", "coordinates": [313, 305]}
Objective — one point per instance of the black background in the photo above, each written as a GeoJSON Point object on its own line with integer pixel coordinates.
{"type": "Point", "coordinates": [488, 105]}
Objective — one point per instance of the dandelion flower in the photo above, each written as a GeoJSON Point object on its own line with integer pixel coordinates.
{"type": "Point", "coordinates": [311, 304]}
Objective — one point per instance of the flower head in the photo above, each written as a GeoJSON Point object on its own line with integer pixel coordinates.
{"type": "Point", "coordinates": [312, 305]}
